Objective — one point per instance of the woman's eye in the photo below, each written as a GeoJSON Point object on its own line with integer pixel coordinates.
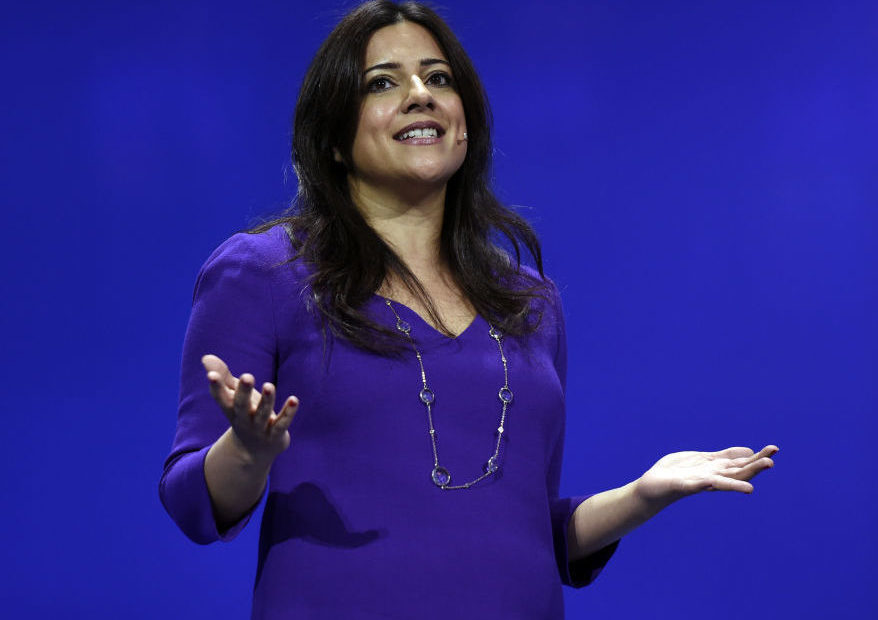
{"type": "Point", "coordinates": [439, 79]}
{"type": "Point", "coordinates": [378, 84]}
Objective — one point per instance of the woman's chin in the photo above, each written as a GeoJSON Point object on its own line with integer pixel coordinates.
{"type": "Point", "coordinates": [431, 176]}
{"type": "Point", "coordinates": [413, 182]}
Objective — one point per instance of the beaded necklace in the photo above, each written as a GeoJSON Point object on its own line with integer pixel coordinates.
{"type": "Point", "coordinates": [440, 476]}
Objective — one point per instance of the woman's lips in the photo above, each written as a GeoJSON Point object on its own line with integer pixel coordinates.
{"type": "Point", "coordinates": [424, 132]}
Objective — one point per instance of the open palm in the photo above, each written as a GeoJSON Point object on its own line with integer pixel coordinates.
{"type": "Point", "coordinates": [261, 431]}
{"type": "Point", "coordinates": [686, 473]}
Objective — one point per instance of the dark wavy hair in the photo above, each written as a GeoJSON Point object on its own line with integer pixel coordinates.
{"type": "Point", "coordinates": [348, 260]}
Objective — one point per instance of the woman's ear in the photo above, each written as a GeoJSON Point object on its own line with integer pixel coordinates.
{"type": "Point", "coordinates": [336, 155]}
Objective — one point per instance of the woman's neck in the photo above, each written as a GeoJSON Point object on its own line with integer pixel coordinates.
{"type": "Point", "coordinates": [410, 224]}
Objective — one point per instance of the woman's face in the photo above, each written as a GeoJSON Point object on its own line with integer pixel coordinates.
{"type": "Point", "coordinates": [410, 131]}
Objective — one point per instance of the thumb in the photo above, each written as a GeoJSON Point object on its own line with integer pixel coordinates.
{"type": "Point", "coordinates": [213, 364]}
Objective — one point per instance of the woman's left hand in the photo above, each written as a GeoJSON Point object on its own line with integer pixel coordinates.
{"type": "Point", "coordinates": [686, 473]}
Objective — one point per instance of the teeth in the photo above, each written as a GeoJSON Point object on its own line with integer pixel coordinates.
{"type": "Point", "coordinates": [429, 132]}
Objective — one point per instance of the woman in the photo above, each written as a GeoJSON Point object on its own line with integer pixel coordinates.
{"type": "Point", "coordinates": [419, 475]}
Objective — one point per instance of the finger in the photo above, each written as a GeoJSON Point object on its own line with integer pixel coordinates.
{"type": "Point", "coordinates": [212, 363]}
{"type": "Point", "coordinates": [769, 450]}
{"type": "Point", "coordinates": [733, 453]}
{"type": "Point", "coordinates": [750, 470]}
{"type": "Point", "coordinates": [243, 403]}
{"type": "Point", "coordinates": [766, 452]}
{"type": "Point", "coordinates": [221, 394]}
{"type": "Point", "coordinates": [265, 409]}
{"type": "Point", "coordinates": [281, 422]}
{"type": "Point", "coordinates": [721, 483]}
{"type": "Point", "coordinates": [739, 463]}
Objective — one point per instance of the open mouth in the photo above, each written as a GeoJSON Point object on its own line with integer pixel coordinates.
{"type": "Point", "coordinates": [419, 130]}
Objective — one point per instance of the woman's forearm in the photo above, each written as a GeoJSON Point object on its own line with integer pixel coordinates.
{"type": "Point", "coordinates": [235, 479]}
{"type": "Point", "coordinates": [606, 517]}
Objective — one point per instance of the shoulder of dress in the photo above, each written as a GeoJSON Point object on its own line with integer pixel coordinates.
{"type": "Point", "coordinates": [257, 259]}
{"type": "Point", "coordinates": [270, 246]}
{"type": "Point", "coordinates": [266, 251]}
{"type": "Point", "coordinates": [529, 277]}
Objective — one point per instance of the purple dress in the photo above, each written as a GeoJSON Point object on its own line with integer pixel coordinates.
{"type": "Point", "coordinates": [353, 526]}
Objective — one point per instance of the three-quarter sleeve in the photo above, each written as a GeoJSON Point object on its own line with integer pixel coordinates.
{"type": "Point", "coordinates": [581, 572]}
{"type": "Point", "coordinates": [232, 318]}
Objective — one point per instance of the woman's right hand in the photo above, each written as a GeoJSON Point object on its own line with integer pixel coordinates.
{"type": "Point", "coordinates": [261, 432]}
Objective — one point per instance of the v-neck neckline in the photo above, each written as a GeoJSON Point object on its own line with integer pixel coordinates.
{"type": "Point", "coordinates": [424, 330]}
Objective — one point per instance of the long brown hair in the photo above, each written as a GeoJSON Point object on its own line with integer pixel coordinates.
{"type": "Point", "coordinates": [348, 261]}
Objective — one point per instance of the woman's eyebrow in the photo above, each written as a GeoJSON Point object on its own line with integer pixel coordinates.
{"type": "Point", "coordinates": [425, 62]}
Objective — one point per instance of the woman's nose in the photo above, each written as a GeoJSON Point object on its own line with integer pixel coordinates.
{"type": "Point", "coordinates": [419, 96]}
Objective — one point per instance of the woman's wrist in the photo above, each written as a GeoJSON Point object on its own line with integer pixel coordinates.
{"type": "Point", "coordinates": [245, 456]}
{"type": "Point", "coordinates": [651, 497]}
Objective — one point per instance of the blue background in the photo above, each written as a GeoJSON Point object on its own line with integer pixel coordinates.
{"type": "Point", "coordinates": [703, 176]}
